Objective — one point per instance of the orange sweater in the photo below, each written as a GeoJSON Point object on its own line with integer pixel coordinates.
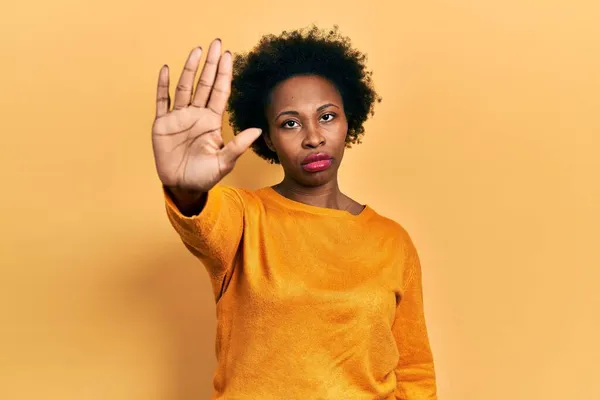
{"type": "Point", "coordinates": [312, 302]}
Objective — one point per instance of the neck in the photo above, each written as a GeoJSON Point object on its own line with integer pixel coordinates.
{"type": "Point", "coordinates": [327, 195]}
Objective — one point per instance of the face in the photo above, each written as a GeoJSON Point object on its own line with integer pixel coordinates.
{"type": "Point", "coordinates": [307, 129]}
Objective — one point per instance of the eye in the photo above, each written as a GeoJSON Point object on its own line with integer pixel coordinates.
{"type": "Point", "coordinates": [331, 115]}
{"type": "Point", "coordinates": [286, 124]}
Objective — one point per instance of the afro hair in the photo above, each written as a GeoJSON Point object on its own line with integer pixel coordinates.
{"type": "Point", "coordinates": [308, 51]}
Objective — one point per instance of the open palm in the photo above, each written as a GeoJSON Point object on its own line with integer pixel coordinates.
{"type": "Point", "coordinates": [188, 147]}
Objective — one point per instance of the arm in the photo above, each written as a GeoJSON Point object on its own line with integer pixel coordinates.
{"type": "Point", "coordinates": [191, 158]}
{"type": "Point", "coordinates": [214, 234]}
{"type": "Point", "coordinates": [415, 371]}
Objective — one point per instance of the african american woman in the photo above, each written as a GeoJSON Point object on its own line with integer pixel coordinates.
{"type": "Point", "coordinates": [317, 296]}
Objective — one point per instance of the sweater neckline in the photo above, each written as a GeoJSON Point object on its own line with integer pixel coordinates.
{"type": "Point", "coordinates": [296, 205]}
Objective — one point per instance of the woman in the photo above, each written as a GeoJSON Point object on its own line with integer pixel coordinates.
{"type": "Point", "coordinates": [318, 296]}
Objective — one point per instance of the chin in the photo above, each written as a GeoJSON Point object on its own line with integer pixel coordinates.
{"type": "Point", "coordinates": [314, 179]}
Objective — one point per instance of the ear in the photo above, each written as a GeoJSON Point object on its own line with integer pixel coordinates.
{"type": "Point", "coordinates": [268, 141]}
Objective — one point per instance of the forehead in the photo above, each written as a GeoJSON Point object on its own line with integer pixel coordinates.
{"type": "Point", "coordinates": [303, 91]}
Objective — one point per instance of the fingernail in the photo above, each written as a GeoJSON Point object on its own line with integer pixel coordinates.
{"type": "Point", "coordinates": [219, 39]}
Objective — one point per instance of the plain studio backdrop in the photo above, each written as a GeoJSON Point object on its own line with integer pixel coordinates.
{"type": "Point", "coordinates": [485, 148]}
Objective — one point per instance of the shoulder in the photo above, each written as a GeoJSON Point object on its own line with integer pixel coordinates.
{"type": "Point", "coordinates": [395, 233]}
{"type": "Point", "coordinates": [246, 198]}
{"type": "Point", "coordinates": [390, 226]}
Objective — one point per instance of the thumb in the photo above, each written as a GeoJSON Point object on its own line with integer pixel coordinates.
{"type": "Point", "coordinates": [239, 144]}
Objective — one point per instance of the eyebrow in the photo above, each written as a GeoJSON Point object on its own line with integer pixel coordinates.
{"type": "Point", "coordinates": [297, 113]}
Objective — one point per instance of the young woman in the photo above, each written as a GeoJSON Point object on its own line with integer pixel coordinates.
{"type": "Point", "coordinates": [317, 295]}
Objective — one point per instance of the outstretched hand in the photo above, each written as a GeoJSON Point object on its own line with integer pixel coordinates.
{"type": "Point", "coordinates": [189, 152]}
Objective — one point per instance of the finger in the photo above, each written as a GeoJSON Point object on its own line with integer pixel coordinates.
{"type": "Point", "coordinates": [239, 144]}
{"type": "Point", "coordinates": [207, 77]}
{"type": "Point", "coordinates": [162, 92]}
{"type": "Point", "coordinates": [222, 87]}
{"type": "Point", "coordinates": [183, 93]}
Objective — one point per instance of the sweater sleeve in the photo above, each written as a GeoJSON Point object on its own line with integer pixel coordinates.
{"type": "Point", "coordinates": [214, 235]}
{"type": "Point", "coordinates": [415, 371]}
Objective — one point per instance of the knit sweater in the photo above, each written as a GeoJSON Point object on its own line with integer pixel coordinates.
{"type": "Point", "coordinates": [311, 302]}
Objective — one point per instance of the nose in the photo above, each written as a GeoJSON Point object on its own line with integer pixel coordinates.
{"type": "Point", "coordinates": [313, 138]}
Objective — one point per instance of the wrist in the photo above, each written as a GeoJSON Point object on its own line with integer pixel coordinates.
{"type": "Point", "coordinates": [189, 202]}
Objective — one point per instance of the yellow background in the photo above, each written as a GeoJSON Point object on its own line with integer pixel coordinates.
{"type": "Point", "coordinates": [485, 148]}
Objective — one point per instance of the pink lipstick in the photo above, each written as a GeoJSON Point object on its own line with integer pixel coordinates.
{"type": "Point", "coordinates": [317, 162]}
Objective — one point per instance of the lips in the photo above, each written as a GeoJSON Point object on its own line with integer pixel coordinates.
{"type": "Point", "coordinates": [317, 162]}
{"type": "Point", "coordinates": [316, 157]}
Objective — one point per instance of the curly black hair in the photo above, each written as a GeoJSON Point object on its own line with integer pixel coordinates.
{"type": "Point", "coordinates": [308, 51]}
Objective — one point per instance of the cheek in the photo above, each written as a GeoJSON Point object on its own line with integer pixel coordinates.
{"type": "Point", "coordinates": [341, 133]}
{"type": "Point", "coordinates": [284, 146]}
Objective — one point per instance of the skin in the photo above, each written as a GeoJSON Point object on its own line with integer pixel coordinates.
{"type": "Point", "coordinates": [306, 116]}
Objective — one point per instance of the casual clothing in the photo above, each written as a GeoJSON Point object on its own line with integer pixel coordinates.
{"type": "Point", "coordinates": [312, 302]}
